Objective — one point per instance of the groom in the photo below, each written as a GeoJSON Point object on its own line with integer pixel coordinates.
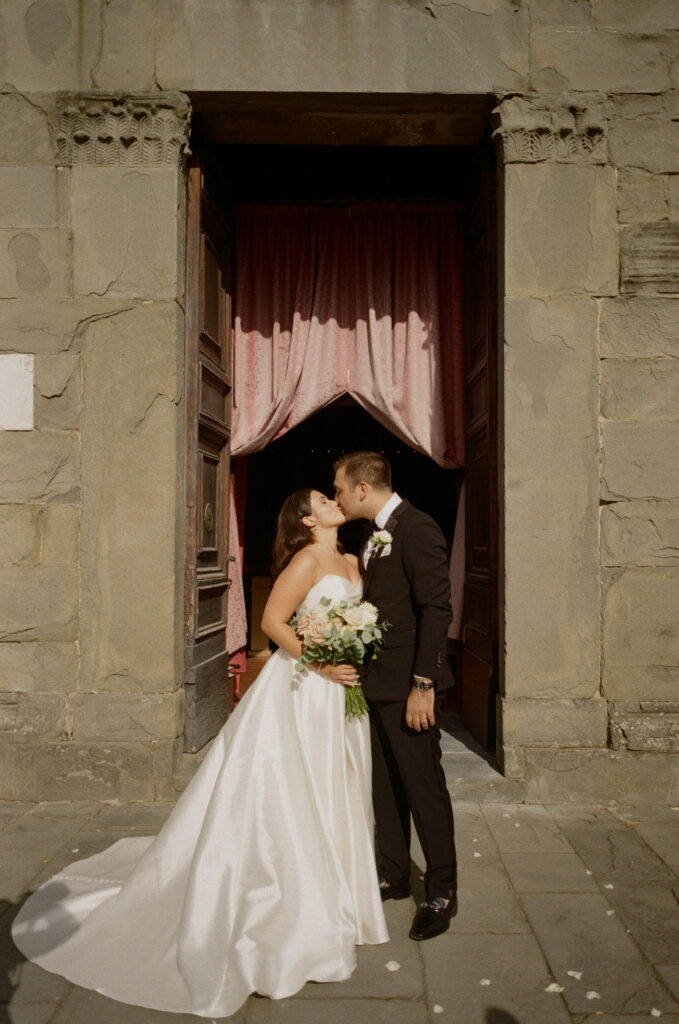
{"type": "Point", "coordinates": [405, 574]}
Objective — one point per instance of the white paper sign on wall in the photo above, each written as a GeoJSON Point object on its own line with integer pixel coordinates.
{"type": "Point", "coordinates": [16, 391]}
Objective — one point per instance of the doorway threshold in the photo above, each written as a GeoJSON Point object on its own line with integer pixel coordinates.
{"type": "Point", "coordinates": [472, 773]}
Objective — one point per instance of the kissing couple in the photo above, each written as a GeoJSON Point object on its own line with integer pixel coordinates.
{"type": "Point", "coordinates": [265, 875]}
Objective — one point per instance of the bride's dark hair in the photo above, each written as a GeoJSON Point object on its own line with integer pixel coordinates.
{"type": "Point", "coordinates": [291, 533]}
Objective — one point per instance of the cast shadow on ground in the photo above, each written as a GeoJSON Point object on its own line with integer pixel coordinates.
{"type": "Point", "coordinates": [12, 959]}
{"type": "Point", "coordinates": [494, 1015]}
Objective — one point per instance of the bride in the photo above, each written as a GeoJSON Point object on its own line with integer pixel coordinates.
{"type": "Point", "coordinates": [263, 877]}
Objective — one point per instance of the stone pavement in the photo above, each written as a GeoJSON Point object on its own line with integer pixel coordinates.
{"type": "Point", "coordinates": [568, 915]}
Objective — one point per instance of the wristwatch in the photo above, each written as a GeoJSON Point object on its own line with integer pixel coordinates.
{"type": "Point", "coordinates": [423, 684]}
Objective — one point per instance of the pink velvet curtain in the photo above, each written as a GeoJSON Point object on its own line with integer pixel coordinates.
{"type": "Point", "coordinates": [362, 299]}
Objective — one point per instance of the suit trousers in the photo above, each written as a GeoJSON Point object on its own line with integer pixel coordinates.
{"type": "Point", "coordinates": [408, 778]}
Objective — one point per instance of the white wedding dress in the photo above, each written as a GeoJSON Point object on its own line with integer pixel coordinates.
{"type": "Point", "coordinates": [262, 878]}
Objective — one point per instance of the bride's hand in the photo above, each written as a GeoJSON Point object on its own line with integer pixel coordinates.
{"type": "Point", "coordinates": [347, 675]}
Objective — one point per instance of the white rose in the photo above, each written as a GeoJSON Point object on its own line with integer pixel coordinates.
{"type": "Point", "coordinates": [361, 615]}
{"type": "Point", "coordinates": [382, 537]}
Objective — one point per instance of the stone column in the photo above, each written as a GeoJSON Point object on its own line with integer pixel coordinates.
{"type": "Point", "coordinates": [107, 726]}
{"type": "Point", "coordinates": [559, 254]}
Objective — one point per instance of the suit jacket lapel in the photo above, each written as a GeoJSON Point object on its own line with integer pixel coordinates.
{"type": "Point", "coordinates": [391, 526]}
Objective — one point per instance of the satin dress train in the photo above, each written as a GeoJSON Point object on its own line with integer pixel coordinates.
{"type": "Point", "coordinates": [262, 878]}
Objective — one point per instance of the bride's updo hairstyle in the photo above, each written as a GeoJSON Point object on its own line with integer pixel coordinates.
{"type": "Point", "coordinates": [291, 533]}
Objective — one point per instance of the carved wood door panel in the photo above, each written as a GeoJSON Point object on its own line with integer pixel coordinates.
{"type": "Point", "coordinates": [479, 660]}
{"type": "Point", "coordinates": [208, 686]}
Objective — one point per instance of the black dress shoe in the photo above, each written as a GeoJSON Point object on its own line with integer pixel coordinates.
{"type": "Point", "coordinates": [433, 917]}
{"type": "Point", "coordinates": [393, 892]}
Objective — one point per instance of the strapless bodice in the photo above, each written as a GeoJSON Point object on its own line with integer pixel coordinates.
{"type": "Point", "coordinates": [337, 588]}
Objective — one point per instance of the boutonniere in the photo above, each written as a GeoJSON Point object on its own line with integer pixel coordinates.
{"type": "Point", "coordinates": [382, 542]}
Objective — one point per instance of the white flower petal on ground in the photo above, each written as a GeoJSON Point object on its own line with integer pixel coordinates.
{"type": "Point", "coordinates": [437, 1009]}
{"type": "Point", "coordinates": [476, 854]}
{"type": "Point", "coordinates": [656, 1013]}
{"type": "Point", "coordinates": [517, 824]}
{"type": "Point", "coordinates": [592, 994]}
{"type": "Point", "coordinates": [588, 872]}
{"type": "Point", "coordinates": [475, 840]}
{"type": "Point", "coordinates": [574, 974]}
{"type": "Point", "coordinates": [554, 987]}
{"type": "Point", "coordinates": [609, 913]}
{"type": "Point", "coordinates": [609, 886]}
{"type": "Point", "coordinates": [484, 981]}
{"type": "Point", "coordinates": [392, 965]}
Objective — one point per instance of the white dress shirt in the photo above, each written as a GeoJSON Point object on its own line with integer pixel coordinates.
{"type": "Point", "coordinates": [380, 522]}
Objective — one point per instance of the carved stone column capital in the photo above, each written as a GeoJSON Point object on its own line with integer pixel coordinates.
{"type": "Point", "coordinates": [563, 131]}
{"type": "Point", "coordinates": [102, 128]}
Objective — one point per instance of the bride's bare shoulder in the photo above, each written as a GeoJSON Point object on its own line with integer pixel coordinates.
{"type": "Point", "coordinates": [304, 562]}
{"type": "Point", "coordinates": [351, 559]}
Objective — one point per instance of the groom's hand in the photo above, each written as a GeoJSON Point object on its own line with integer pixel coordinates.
{"type": "Point", "coordinates": [420, 710]}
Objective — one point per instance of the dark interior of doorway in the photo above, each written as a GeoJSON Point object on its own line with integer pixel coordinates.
{"type": "Point", "coordinates": [304, 458]}
{"type": "Point", "coordinates": [297, 174]}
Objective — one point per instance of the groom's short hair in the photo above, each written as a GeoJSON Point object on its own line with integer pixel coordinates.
{"type": "Point", "coordinates": [371, 467]}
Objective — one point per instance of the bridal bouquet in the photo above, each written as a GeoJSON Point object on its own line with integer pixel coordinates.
{"type": "Point", "coordinates": [334, 634]}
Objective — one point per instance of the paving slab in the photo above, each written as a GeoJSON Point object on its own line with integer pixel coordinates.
{"type": "Point", "coordinates": [10, 810]}
{"type": "Point", "coordinates": [663, 838]}
{"type": "Point", "coordinates": [577, 934]}
{"type": "Point", "coordinates": [610, 848]}
{"type": "Point", "coordinates": [35, 1013]}
{"type": "Point", "coordinates": [140, 818]}
{"type": "Point", "coordinates": [371, 977]}
{"type": "Point", "coordinates": [336, 1011]}
{"type": "Point", "coordinates": [670, 975]}
{"type": "Point", "coordinates": [490, 979]}
{"type": "Point", "coordinates": [21, 981]}
{"type": "Point", "coordinates": [548, 872]}
{"type": "Point", "coordinates": [651, 912]}
{"type": "Point", "coordinates": [83, 1006]}
{"type": "Point", "coordinates": [79, 846]}
{"type": "Point", "coordinates": [524, 827]}
{"type": "Point", "coordinates": [625, 1018]}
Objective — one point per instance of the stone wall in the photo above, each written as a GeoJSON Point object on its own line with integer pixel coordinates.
{"type": "Point", "coordinates": [92, 484]}
{"type": "Point", "coordinates": [91, 500]}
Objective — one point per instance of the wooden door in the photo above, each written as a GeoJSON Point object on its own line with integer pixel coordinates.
{"type": "Point", "coordinates": [208, 685]}
{"type": "Point", "coordinates": [479, 658]}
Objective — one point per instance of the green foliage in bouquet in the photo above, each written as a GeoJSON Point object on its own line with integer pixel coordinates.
{"type": "Point", "coordinates": [340, 634]}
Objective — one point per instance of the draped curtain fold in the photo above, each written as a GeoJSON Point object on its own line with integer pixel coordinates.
{"type": "Point", "coordinates": [363, 299]}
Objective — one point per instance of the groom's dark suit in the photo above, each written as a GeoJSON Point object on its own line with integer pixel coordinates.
{"type": "Point", "coordinates": [410, 587]}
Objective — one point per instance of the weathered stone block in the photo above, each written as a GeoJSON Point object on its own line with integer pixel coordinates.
{"type": "Point", "coordinates": [380, 47]}
{"type": "Point", "coordinates": [19, 535]}
{"type": "Point", "coordinates": [633, 729]}
{"type": "Point", "coordinates": [38, 466]}
{"type": "Point", "coordinates": [39, 666]}
{"type": "Point", "coordinates": [34, 197]}
{"type": "Point", "coordinates": [51, 326]}
{"type": "Point", "coordinates": [125, 231]}
{"type": "Point", "coordinates": [640, 533]}
{"type": "Point", "coordinates": [38, 603]}
{"type": "Point", "coordinates": [57, 391]}
{"type": "Point", "coordinates": [132, 598]}
{"type": "Point", "coordinates": [128, 34]}
{"type": "Point", "coordinates": [551, 467]}
{"type": "Point", "coordinates": [641, 197]}
{"type": "Point", "coordinates": [25, 138]}
{"type": "Point", "coordinates": [17, 371]}
{"type": "Point", "coordinates": [673, 196]}
{"type": "Point", "coordinates": [632, 328]}
{"type": "Point", "coordinates": [76, 771]}
{"type": "Point", "coordinates": [34, 263]}
{"type": "Point", "coordinates": [601, 61]}
{"type": "Point", "coordinates": [561, 723]}
{"type": "Point", "coordinates": [640, 615]}
{"type": "Point", "coordinates": [38, 717]}
{"type": "Point", "coordinates": [127, 716]}
{"type": "Point", "coordinates": [600, 776]}
{"type": "Point", "coordinates": [640, 389]}
{"type": "Point", "coordinates": [573, 203]}
{"type": "Point", "coordinates": [647, 144]}
{"type": "Point", "coordinates": [655, 682]}
{"type": "Point", "coordinates": [640, 460]}
{"type": "Point", "coordinates": [560, 14]}
{"type": "Point", "coordinates": [648, 258]}
{"type": "Point", "coordinates": [60, 526]}
{"type": "Point", "coordinates": [631, 16]}
{"type": "Point", "coordinates": [52, 44]}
